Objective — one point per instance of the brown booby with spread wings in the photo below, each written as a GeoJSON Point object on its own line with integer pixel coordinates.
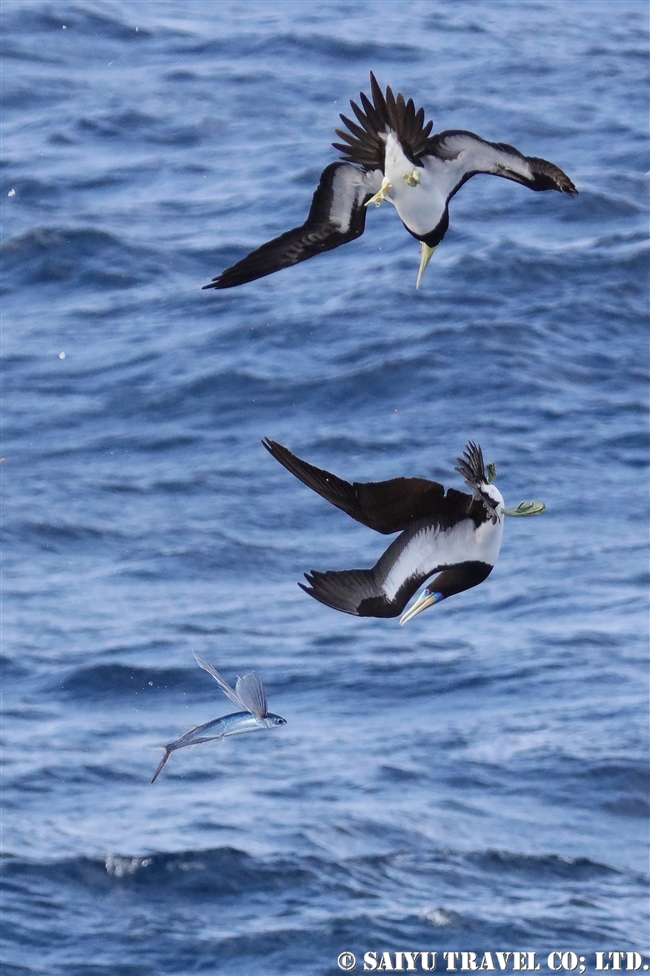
{"type": "Point", "coordinates": [453, 534]}
{"type": "Point", "coordinates": [390, 154]}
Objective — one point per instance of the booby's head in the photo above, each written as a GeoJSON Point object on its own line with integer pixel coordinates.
{"type": "Point", "coordinates": [426, 599]}
{"type": "Point", "coordinates": [453, 580]}
{"type": "Point", "coordinates": [429, 242]}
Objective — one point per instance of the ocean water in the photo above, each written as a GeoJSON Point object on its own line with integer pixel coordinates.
{"type": "Point", "coordinates": [476, 780]}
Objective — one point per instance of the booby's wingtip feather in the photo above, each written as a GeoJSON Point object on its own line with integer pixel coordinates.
{"type": "Point", "coordinates": [548, 176]}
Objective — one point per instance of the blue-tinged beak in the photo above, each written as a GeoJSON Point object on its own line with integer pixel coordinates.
{"type": "Point", "coordinates": [425, 600]}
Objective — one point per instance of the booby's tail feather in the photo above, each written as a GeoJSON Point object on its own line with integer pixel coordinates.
{"type": "Point", "coordinates": [365, 145]}
{"type": "Point", "coordinates": [471, 466]}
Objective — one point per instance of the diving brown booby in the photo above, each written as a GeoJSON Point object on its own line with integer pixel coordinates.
{"type": "Point", "coordinates": [389, 154]}
{"type": "Point", "coordinates": [454, 534]}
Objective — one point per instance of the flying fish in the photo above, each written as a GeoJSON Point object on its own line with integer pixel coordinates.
{"type": "Point", "coordinates": [249, 694]}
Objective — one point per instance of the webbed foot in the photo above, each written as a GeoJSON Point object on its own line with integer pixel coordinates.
{"type": "Point", "coordinates": [380, 195]}
{"type": "Point", "coordinates": [526, 508]}
{"type": "Point", "coordinates": [412, 179]}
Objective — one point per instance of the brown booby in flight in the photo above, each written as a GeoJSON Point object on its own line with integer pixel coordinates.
{"type": "Point", "coordinates": [390, 154]}
{"type": "Point", "coordinates": [454, 534]}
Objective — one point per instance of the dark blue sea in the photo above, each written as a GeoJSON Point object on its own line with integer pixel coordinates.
{"type": "Point", "coordinates": [474, 781]}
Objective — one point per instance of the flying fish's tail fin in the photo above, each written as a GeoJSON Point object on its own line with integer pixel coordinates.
{"type": "Point", "coordinates": [168, 752]}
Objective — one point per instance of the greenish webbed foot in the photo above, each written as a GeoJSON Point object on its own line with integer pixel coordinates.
{"type": "Point", "coordinates": [526, 508]}
{"type": "Point", "coordinates": [523, 508]}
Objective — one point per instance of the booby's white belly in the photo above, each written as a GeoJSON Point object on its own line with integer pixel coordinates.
{"type": "Point", "coordinates": [422, 206]}
{"type": "Point", "coordinates": [431, 548]}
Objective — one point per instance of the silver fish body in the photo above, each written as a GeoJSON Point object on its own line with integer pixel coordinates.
{"type": "Point", "coordinates": [219, 728]}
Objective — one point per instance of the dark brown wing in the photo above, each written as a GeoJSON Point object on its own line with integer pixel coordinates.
{"type": "Point", "coordinates": [467, 155]}
{"type": "Point", "coordinates": [385, 506]}
{"type": "Point", "coordinates": [548, 176]}
{"type": "Point", "coordinates": [337, 215]}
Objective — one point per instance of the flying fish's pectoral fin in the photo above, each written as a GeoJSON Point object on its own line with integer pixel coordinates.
{"type": "Point", "coordinates": [223, 684]}
{"type": "Point", "coordinates": [251, 694]}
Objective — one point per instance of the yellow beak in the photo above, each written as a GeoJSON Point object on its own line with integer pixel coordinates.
{"type": "Point", "coordinates": [426, 600]}
{"type": "Point", "coordinates": [424, 260]}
